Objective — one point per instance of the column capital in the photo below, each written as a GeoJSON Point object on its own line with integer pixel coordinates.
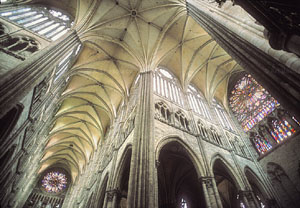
{"type": "Point", "coordinates": [146, 72]}
{"type": "Point", "coordinates": [246, 193]}
{"type": "Point", "coordinates": [112, 193]}
{"type": "Point", "coordinates": [207, 180]}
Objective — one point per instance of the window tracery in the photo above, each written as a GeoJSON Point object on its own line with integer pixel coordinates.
{"type": "Point", "coordinates": [166, 85]}
{"type": "Point", "coordinates": [250, 102]}
{"type": "Point", "coordinates": [181, 120]}
{"type": "Point", "coordinates": [202, 129]}
{"type": "Point", "coordinates": [162, 112]}
{"type": "Point", "coordinates": [281, 129]}
{"type": "Point", "coordinates": [49, 23]}
{"type": "Point", "coordinates": [54, 182]}
{"type": "Point", "coordinates": [259, 112]}
{"type": "Point", "coordinates": [215, 136]}
{"type": "Point", "coordinates": [223, 116]}
{"type": "Point", "coordinates": [19, 46]}
{"type": "Point", "coordinates": [65, 63]}
{"type": "Point", "coordinates": [262, 144]}
{"type": "Point", "coordinates": [197, 102]}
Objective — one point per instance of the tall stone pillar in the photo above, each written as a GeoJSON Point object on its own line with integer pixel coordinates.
{"type": "Point", "coordinates": [141, 188]}
{"type": "Point", "coordinates": [218, 198]}
{"type": "Point", "coordinates": [282, 82]}
{"type": "Point", "coordinates": [211, 195]}
{"type": "Point", "coordinates": [15, 84]}
{"type": "Point", "coordinates": [248, 199]}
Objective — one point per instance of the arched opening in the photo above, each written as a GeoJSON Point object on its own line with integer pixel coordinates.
{"type": "Point", "coordinates": [283, 185]}
{"type": "Point", "coordinates": [8, 121]}
{"type": "Point", "coordinates": [102, 192]}
{"type": "Point", "coordinates": [123, 179]}
{"type": "Point", "coordinates": [226, 185]}
{"type": "Point", "coordinates": [257, 188]}
{"type": "Point", "coordinates": [178, 184]}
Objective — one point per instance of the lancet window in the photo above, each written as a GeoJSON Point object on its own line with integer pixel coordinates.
{"type": "Point", "coordinates": [281, 129]}
{"type": "Point", "coordinates": [223, 116]}
{"type": "Point", "coordinates": [197, 102]}
{"type": "Point", "coordinates": [166, 85]}
{"type": "Point", "coordinates": [65, 63]}
{"type": "Point", "coordinates": [48, 23]}
{"type": "Point", "coordinates": [261, 143]}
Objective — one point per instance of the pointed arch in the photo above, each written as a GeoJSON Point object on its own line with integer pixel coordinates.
{"type": "Point", "coordinates": [102, 191]}
{"type": "Point", "coordinates": [178, 175]}
{"type": "Point", "coordinates": [190, 153]}
{"type": "Point", "coordinates": [255, 182]}
{"type": "Point", "coordinates": [8, 121]}
{"type": "Point", "coordinates": [228, 167]}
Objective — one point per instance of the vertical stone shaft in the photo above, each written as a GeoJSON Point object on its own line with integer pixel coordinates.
{"type": "Point", "coordinates": [141, 188]}
{"type": "Point", "coordinates": [19, 81]}
{"type": "Point", "coordinates": [282, 83]}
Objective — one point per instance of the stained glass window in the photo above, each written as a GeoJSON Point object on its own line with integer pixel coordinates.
{"type": "Point", "coordinates": [281, 130]}
{"type": "Point", "coordinates": [261, 144]}
{"type": "Point", "coordinates": [250, 102]}
{"type": "Point", "coordinates": [54, 182]}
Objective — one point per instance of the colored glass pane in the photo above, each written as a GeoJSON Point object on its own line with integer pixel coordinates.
{"type": "Point", "coordinates": [281, 130]}
{"type": "Point", "coordinates": [261, 144]}
{"type": "Point", "coordinates": [250, 102]}
{"type": "Point", "coordinates": [54, 182]}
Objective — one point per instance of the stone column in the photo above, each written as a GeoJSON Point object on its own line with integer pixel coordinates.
{"type": "Point", "coordinates": [15, 84]}
{"type": "Point", "coordinates": [218, 198]}
{"type": "Point", "coordinates": [249, 199]}
{"type": "Point", "coordinates": [141, 188]}
{"type": "Point", "coordinates": [114, 193]}
{"type": "Point", "coordinates": [111, 197]}
{"type": "Point", "coordinates": [211, 195]}
{"type": "Point", "coordinates": [205, 192]}
{"type": "Point", "coordinates": [282, 82]}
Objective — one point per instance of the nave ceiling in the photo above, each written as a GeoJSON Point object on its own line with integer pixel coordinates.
{"type": "Point", "coordinates": [121, 39]}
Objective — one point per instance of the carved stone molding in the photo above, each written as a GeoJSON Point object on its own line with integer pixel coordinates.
{"type": "Point", "coordinates": [207, 181]}
{"type": "Point", "coordinates": [112, 193]}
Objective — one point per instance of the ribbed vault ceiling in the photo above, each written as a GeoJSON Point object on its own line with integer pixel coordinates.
{"type": "Point", "coordinates": [121, 39]}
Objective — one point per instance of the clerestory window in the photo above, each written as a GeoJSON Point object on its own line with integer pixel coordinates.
{"type": "Point", "coordinates": [166, 85]}
{"type": "Point", "coordinates": [197, 102]}
{"type": "Point", "coordinates": [49, 23]}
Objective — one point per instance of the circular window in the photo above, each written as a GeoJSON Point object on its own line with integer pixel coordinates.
{"type": "Point", "coordinates": [54, 182]}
